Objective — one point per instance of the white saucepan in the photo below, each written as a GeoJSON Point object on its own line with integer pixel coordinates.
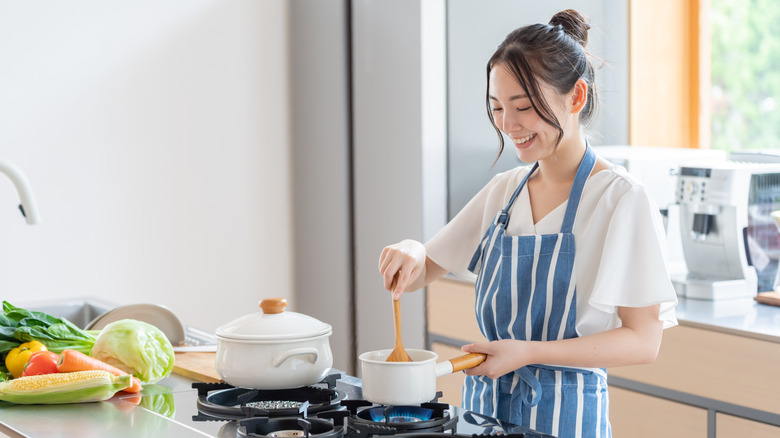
{"type": "Point", "coordinates": [274, 349]}
{"type": "Point", "coordinates": [408, 383]}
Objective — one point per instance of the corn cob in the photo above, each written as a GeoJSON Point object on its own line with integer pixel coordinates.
{"type": "Point", "coordinates": [58, 388]}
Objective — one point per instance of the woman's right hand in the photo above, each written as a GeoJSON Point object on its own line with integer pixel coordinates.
{"type": "Point", "coordinates": [406, 259]}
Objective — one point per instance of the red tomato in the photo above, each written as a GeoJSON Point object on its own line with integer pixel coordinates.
{"type": "Point", "coordinates": [41, 362]}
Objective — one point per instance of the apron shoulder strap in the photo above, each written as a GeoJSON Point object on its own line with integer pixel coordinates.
{"type": "Point", "coordinates": [583, 172]}
{"type": "Point", "coordinates": [518, 189]}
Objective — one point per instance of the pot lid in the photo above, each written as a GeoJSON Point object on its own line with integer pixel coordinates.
{"type": "Point", "coordinates": [274, 323]}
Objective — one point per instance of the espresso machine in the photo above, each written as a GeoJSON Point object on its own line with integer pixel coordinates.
{"type": "Point", "coordinates": [730, 240]}
{"type": "Point", "coordinates": [657, 168]}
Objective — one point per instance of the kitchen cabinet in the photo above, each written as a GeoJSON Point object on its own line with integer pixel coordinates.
{"type": "Point", "coordinates": [729, 426]}
{"type": "Point", "coordinates": [451, 324]}
{"type": "Point", "coordinates": [450, 311]}
{"type": "Point", "coordinates": [718, 366]}
{"type": "Point", "coordinates": [701, 371]}
{"type": "Point", "coordinates": [451, 384]}
{"type": "Point", "coordinates": [643, 416]}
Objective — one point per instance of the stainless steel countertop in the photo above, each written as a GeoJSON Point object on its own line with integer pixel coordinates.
{"type": "Point", "coordinates": [741, 317]}
{"type": "Point", "coordinates": [166, 410]}
{"type": "Point", "coordinates": [119, 417]}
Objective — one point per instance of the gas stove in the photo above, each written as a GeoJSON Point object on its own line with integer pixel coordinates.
{"type": "Point", "coordinates": [178, 407]}
{"type": "Point", "coordinates": [334, 409]}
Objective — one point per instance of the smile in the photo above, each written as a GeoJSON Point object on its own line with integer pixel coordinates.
{"type": "Point", "coordinates": [523, 139]}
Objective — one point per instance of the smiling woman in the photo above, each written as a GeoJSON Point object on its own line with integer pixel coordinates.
{"type": "Point", "coordinates": [567, 254]}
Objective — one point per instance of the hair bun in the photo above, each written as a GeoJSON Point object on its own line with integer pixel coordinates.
{"type": "Point", "coordinates": [573, 23]}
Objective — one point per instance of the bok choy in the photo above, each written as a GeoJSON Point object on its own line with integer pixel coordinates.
{"type": "Point", "coordinates": [18, 325]}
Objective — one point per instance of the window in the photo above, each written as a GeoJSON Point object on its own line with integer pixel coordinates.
{"type": "Point", "coordinates": [744, 74]}
{"type": "Point", "coordinates": [704, 74]}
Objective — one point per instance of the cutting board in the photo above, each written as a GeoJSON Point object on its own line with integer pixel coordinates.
{"type": "Point", "coordinates": [197, 366]}
{"type": "Point", "coordinates": [771, 298]}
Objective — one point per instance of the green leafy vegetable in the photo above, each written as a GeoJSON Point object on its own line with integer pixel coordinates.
{"type": "Point", "coordinates": [135, 347]}
{"type": "Point", "coordinates": [18, 325]}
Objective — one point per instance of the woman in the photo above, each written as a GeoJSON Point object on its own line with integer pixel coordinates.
{"type": "Point", "coordinates": [569, 253]}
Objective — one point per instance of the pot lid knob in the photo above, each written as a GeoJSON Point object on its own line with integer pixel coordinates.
{"type": "Point", "coordinates": [273, 305]}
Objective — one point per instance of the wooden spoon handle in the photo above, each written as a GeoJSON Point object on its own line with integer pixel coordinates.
{"type": "Point", "coordinates": [397, 320]}
{"type": "Point", "coordinates": [396, 314]}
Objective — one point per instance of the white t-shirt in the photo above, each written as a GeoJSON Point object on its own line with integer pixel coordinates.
{"type": "Point", "coordinates": [620, 248]}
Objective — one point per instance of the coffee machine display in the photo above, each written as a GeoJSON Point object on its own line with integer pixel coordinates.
{"type": "Point", "coordinates": [730, 241]}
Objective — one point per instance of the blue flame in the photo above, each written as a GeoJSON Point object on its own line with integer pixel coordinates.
{"type": "Point", "coordinates": [401, 414]}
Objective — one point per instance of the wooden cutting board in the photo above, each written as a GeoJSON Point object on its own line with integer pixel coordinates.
{"type": "Point", "coordinates": [197, 366]}
{"type": "Point", "coordinates": [771, 298]}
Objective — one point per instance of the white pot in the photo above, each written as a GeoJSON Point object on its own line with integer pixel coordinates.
{"type": "Point", "coordinates": [408, 383]}
{"type": "Point", "coordinates": [274, 349]}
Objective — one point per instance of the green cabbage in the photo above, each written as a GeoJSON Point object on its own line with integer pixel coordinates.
{"type": "Point", "coordinates": [135, 347]}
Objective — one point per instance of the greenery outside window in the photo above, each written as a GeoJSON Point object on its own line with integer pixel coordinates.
{"type": "Point", "coordinates": [744, 74]}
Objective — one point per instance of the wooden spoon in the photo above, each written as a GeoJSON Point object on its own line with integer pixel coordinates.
{"type": "Point", "coordinates": [398, 354]}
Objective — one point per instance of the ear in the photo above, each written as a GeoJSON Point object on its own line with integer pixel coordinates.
{"type": "Point", "coordinates": [579, 96]}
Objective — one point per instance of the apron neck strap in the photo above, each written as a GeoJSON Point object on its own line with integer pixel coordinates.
{"type": "Point", "coordinates": [583, 172]}
{"type": "Point", "coordinates": [517, 192]}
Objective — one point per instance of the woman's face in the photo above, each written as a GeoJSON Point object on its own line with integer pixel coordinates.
{"type": "Point", "coordinates": [513, 114]}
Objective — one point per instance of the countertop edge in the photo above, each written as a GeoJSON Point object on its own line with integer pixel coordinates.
{"type": "Point", "coordinates": [730, 331]}
{"type": "Point", "coordinates": [702, 321]}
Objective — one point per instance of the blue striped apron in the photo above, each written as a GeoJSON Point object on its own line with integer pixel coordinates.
{"type": "Point", "coordinates": [526, 290]}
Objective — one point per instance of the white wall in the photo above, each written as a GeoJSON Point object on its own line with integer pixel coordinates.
{"type": "Point", "coordinates": [155, 135]}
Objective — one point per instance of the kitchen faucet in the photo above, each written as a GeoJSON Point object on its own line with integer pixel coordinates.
{"type": "Point", "coordinates": [27, 206]}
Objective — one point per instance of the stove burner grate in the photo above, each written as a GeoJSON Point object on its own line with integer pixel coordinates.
{"type": "Point", "coordinates": [368, 420]}
{"type": "Point", "coordinates": [221, 401]}
{"type": "Point", "coordinates": [264, 427]}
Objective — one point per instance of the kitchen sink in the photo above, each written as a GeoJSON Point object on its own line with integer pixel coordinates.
{"type": "Point", "coordinates": [79, 311]}
{"type": "Point", "coordinates": [82, 311]}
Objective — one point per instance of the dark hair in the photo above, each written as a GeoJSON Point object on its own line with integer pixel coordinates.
{"type": "Point", "coordinates": [554, 53]}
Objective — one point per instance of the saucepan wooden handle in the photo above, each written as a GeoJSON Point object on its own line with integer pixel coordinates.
{"type": "Point", "coordinates": [466, 361]}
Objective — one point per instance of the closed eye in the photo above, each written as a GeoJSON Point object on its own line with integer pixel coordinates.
{"type": "Point", "coordinates": [523, 109]}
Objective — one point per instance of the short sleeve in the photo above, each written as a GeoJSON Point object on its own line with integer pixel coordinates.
{"type": "Point", "coordinates": [454, 245]}
{"type": "Point", "coordinates": [633, 270]}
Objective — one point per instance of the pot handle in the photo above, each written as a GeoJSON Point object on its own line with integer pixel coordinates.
{"type": "Point", "coordinates": [296, 352]}
{"type": "Point", "coordinates": [459, 363]}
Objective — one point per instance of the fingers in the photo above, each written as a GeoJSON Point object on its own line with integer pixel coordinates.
{"type": "Point", "coordinates": [398, 262]}
{"type": "Point", "coordinates": [503, 357]}
{"type": "Point", "coordinates": [481, 369]}
{"type": "Point", "coordinates": [404, 280]}
{"type": "Point", "coordinates": [389, 266]}
{"type": "Point", "coordinates": [477, 348]}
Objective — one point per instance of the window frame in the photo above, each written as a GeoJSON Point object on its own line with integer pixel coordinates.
{"type": "Point", "coordinates": [669, 73]}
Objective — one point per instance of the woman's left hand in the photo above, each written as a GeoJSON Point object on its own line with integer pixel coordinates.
{"type": "Point", "coordinates": [503, 357]}
{"type": "Point", "coordinates": [635, 342]}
